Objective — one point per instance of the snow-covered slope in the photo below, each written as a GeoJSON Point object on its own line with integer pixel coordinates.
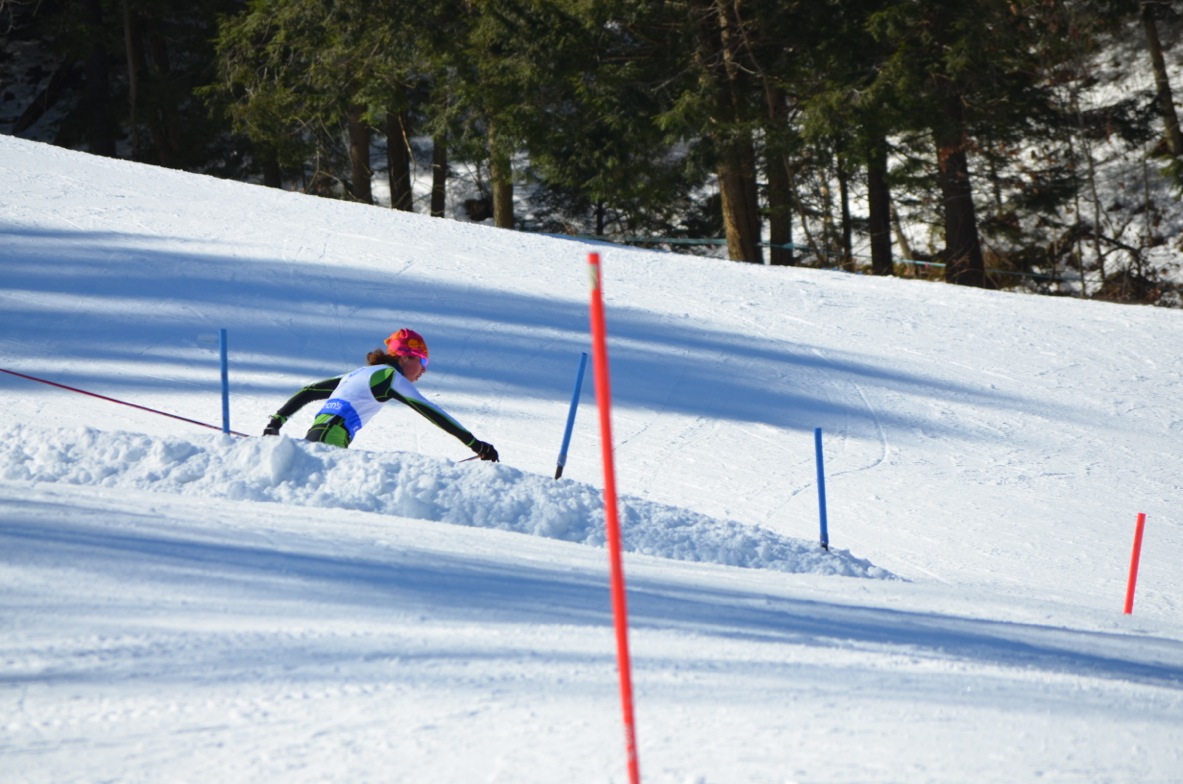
{"type": "Point", "coordinates": [182, 605]}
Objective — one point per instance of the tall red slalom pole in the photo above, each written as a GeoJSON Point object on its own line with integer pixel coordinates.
{"type": "Point", "coordinates": [619, 605]}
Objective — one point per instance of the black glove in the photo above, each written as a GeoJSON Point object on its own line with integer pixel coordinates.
{"type": "Point", "coordinates": [273, 426]}
{"type": "Point", "coordinates": [485, 451]}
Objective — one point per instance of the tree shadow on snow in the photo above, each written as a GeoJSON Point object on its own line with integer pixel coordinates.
{"type": "Point", "coordinates": [165, 578]}
{"type": "Point", "coordinates": [154, 304]}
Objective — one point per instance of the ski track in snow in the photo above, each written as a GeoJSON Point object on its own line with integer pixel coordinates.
{"type": "Point", "coordinates": [882, 434]}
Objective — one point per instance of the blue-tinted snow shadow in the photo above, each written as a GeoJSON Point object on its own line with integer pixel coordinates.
{"type": "Point", "coordinates": [169, 576]}
{"type": "Point", "coordinates": [156, 303]}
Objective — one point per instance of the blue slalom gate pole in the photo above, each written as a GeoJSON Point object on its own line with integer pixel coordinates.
{"type": "Point", "coordinates": [821, 487]}
{"type": "Point", "coordinates": [571, 415]}
{"type": "Point", "coordinates": [225, 384]}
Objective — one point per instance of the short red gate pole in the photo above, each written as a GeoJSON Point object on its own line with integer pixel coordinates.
{"type": "Point", "coordinates": [1129, 591]}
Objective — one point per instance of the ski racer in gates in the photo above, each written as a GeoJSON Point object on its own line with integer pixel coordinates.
{"type": "Point", "coordinates": [354, 398]}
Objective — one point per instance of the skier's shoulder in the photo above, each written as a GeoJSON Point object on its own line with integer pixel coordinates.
{"type": "Point", "coordinates": [371, 373]}
{"type": "Point", "coordinates": [404, 387]}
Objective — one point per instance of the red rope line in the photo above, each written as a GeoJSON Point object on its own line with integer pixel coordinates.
{"type": "Point", "coordinates": [120, 402]}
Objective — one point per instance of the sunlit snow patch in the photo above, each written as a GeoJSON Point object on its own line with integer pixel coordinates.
{"type": "Point", "coordinates": [486, 495]}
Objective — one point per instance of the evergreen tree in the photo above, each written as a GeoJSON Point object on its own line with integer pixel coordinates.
{"type": "Point", "coordinates": [847, 112]}
{"type": "Point", "coordinates": [594, 143]}
{"type": "Point", "coordinates": [960, 69]}
{"type": "Point", "coordinates": [127, 70]}
{"type": "Point", "coordinates": [309, 80]}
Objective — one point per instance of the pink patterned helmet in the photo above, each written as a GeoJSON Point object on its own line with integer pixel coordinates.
{"type": "Point", "coordinates": [407, 343]}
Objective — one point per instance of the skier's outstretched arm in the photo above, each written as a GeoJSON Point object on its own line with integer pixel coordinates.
{"type": "Point", "coordinates": [321, 390]}
{"type": "Point", "coordinates": [397, 387]}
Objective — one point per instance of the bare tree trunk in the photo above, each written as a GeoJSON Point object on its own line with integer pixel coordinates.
{"type": "Point", "coordinates": [96, 97]}
{"type": "Point", "coordinates": [132, 79]}
{"type": "Point", "coordinates": [161, 122]}
{"type": "Point", "coordinates": [1166, 102]}
{"type": "Point", "coordinates": [501, 172]}
{"type": "Point", "coordinates": [503, 217]}
{"type": "Point", "coordinates": [737, 187]}
{"type": "Point", "coordinates": [439, 175]}
{"type": "Point", "coordinates": [1078, 224]}
{"type": "Point", "coordinates": [844, 206]}
{"type": "Point", "coordinates": [964, 264]}
{"type": "Point", "coordinates": [737, 156]}
{"type": "Point", "coordinates": [398, 161]}
{"type": "Point", "coordinates": [879, 204]}
{"type": "Point", "coordinates": [1098, 215]}
{"type": "Point", "coordinates": [901, 236]}
{"type": "Point", "coordinates": [359, 156]}
{"type": "Point", "coordinates": [149, 56]}
{"type": "Point", "coordinates": [269, 161]}
{"type": "Point", "coordinates": [780, 211]}
{"type": "Point", "coordinates": [829, 235]}
{"type": "Point", "coordinates": [780, 194]}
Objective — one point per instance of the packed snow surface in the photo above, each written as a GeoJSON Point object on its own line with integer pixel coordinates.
{"type": "Point", "coordinates": [178, 604]}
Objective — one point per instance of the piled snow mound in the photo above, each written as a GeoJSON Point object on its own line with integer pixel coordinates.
{"type": "Point", "coordinates": [487, 495]}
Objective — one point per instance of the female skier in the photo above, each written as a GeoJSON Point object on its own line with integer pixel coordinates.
{"type": "Point", "coordinates": [353, 399]}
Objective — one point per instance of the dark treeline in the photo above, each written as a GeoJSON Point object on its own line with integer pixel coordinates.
{"type": "Point", "coordinates": [973, 135]}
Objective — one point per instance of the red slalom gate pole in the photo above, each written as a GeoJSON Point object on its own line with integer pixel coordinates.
{"type": "Point", "coordinates": [619, 605]}
{"type": "Point", "coordinates": [1129, 591]}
